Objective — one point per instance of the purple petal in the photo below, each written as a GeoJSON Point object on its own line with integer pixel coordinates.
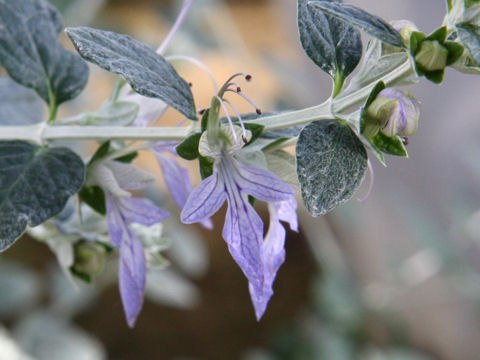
{"type": "Point", "coordinates": [161, 146]}
{"type": "Point", "coordinates": [132, 276]}
{"type": "Point", "coordinates": [141, 211]}
{"type": "Point", "coordinates": [243, 232]}
{"type": "Point", "coordinates": [273, 251]}
{"type": "Point", "coordinates": [261, 184]}
{"type": "Point", "coordinates": [273, 257]}
{"type": "Point", "coordinates": [176, 178]}
{"type": "Point", "coordinates": [115, 220]}
{"type": "Point", "coordinates": [287, 211]}
{"type": "Point", "coordinates": [204, 200]}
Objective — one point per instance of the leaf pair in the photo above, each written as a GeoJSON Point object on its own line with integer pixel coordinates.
{"type": "Point", "coordinates": [330, 36]}
{"type": "Point", "coordinates": [33, 56]}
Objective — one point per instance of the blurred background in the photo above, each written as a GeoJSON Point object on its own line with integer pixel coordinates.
{"type": "Point", "coordinates": [396, 277]}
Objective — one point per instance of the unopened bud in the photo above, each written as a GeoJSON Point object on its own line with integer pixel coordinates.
{"type": "Point", "coordinates": [89, 257]}
{"type": "Point", "coordinates": [393, 113]}
{"type": "Point", "coordinates": [432, 56]}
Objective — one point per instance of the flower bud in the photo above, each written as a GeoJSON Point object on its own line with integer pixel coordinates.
{"type": "Point", "coordinates": [432, 56]}
{"type": "Point", "coordinates": [89, 258]}
{"type": "Point", "coordinates": [393, 113]}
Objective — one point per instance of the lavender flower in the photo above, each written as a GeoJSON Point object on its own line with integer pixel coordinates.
{"type": "Point", "coordinates": [273, 249]}
{"type": "Point", "coordinates": [243, 230]}
{"type": "Point", "coordinates": [122, 210]}
{"type": "Point", "coordinates": [175, 176]}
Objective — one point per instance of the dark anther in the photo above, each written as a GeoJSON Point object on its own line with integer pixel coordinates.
{"type": "Point", "coordinates": [405, 141]}
{"type": "Point", "coordinates": [201, 112]}
{"type": "Point", "coordinates": [259, 112]}
{"type": "Point", "coordinates": [244, 139]}
{"type": "Point", "coordinates": [248, 77]}
{"type": "Point", "coordinates": [239, 89]}
{"type": "Point", "coordinates": [190, 84]}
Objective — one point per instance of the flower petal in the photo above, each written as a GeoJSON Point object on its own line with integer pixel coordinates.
{"type": "Point", "coordinates": [131, 276]}
{"type": "Point", "coordinates": [287, 211]}
{"type": "Point", "coordinates": [261, 184]}
{"type": "Point", "coordinates": [176, 178]}
{"type": "Point", "coordinates": [204, 200]}
{"type": "Point", "coordinates": [273, 251]}
{"type": "Point", "coordinates": [243, 232]}
{"type": "Point", "coordinates": [115, 220]}
{"type": "Point", "coordinates": [141, 211]}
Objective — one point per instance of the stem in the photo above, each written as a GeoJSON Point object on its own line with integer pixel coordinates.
{"type": "Point", "coordinates": [326, 110]}
{"type": "Point", "coordinates": [52, 106]}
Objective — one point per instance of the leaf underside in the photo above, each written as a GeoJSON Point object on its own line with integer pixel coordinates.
{"type": "Point", "coordinates": [32, 55]}
{"type": "Point", "coordinates": [331, 165]}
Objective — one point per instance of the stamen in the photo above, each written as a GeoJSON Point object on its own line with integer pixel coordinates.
{"type": "Point", "coordinates": [237, 113]}
{"type": "Point", "coordinates": [199, 64]}
{"type": "Point", "coordinates": [190, 84]}
{"type": "Point", "coordinates": [233, 83]}
{"type": "Point", "coordinates": [247, 77]}
{"type": "Point", "coordinates": [405, 140]}
{"type": "Point", "coordinates": [201, 111]}
{"type": "Point", "coordinates": [370, 185]}
{"type": "Point", "coordinates": [227, 114]}
{"type": "Point", "coordinates": [176, 26]}
{"type": "Point", "coordinates": [257, 109]}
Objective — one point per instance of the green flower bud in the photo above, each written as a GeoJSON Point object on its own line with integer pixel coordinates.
{"type": "Point", "coordinates": [393, 113]}
{"type": "Point", "coordinates": [89, 258]}
{"type": "Point", "coordinates": [432, 56]}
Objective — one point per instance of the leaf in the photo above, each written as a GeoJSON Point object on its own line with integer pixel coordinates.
{"type": "Point", "coordinates": [470, 3]}
{"type": "Point", "coordinates": [188, 148]}
{"type": "Point", "coordinates": [35, 184]}
{"type": "Point", "coordinates": [119, 113]}
{"type": "Point", "coordinates": [206, 167]}
{"type": "Point", "coordinates": [94, 197]}
{"type": "Point", "coordinates": [389, 145]}
{"type": "Point", "coordinates": [469, 36]}
{"type": "Point", "coordinates": [371, 24]}
{"type": "Point", "coordinates": [148, 73]}
{"type": "Point", "coordinates": [331, 165]}
{"type": "Point", "coordinates": [33, 56]}
{"type": "Point", "coordinates": [333, 45]}
{"type": "Point", "coordinates": [256, 131]}
{"type": "Point", "coordinates": [18, 105]}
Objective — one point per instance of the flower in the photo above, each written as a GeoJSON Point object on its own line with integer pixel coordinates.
{"type": "Point", "coordinates": [233, 181]}
{"type": "Point", "coordinates": [116, 179]}
{"type": "Point", "coordinates": [175, 176]}
{"type": "Point", "coordinates": [273, 249]}
{"type": "Point", "coordinates": [393, 113]}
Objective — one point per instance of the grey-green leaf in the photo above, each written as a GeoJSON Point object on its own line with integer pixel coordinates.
{"type": "Point", "coordinates": [333, 45]}
{"type": "Point", "coordinates": [18, 105]}
{"type": "Point", "coordinates": [374, 67]}
{"type": "Point", "coordinates": [469, 36]}
{"type": "Point", "coordinates": [331, 165]}
{"type": "Point", "coordinates": [35, 184]}
{"type": "Point", "coordinates": [147, 72]}
{"type": "Point", "coordinates": [118, 113]}
{"type": "Point", "coordinates": [33, 56]}
{"type": "Point", "coordinates": [371, 24]}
